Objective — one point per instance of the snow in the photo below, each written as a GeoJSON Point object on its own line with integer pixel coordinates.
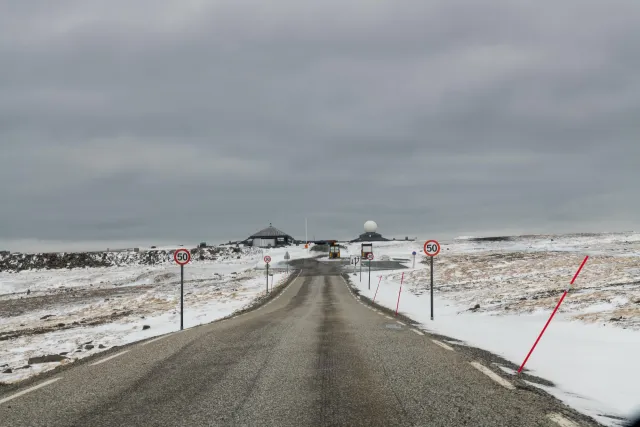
{"type": "Point", "coordinates": [591, 359]}
{"type": "Point", "coordinates": [589, 351]}
{"type": "Point", "coordinates": [108, 306]}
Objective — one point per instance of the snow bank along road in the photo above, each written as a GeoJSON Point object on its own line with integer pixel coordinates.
{"type": "Point", "coordinates": [313, 356]}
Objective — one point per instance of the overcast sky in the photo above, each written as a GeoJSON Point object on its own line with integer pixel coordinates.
{"type": "Point", "coordinates": [144, 121]}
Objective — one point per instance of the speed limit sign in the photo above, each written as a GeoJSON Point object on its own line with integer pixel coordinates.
{"type": "Point", "coordinates": [182, 256]}
{"type": "Point", "coordinates": [370, 257]}
{"type": "Point", "coordinates": [267, 259]}
{"type": "Point", "coordinates": [432, 248]}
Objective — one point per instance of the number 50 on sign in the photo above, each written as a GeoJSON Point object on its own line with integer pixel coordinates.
{"type": "Point", "coordinates": [432, 248]}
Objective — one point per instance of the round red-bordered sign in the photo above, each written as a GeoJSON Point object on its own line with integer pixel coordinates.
{"type": "Point", "coordinates": [370, 257]}
{"type": "Point", "coordinates": [267, 259]}
{"type": "Point", "coordinates": [182, 256]}
{"type": "Point", "coordinates": [431, 248]}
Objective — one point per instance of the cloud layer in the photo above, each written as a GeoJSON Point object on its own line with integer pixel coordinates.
{"type": "Point", "coordinates": [209, 119]}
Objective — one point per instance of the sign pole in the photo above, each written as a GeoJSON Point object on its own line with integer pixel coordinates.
{"type": "Point", "coordinates": [267, 277]}
{"type": "Point", "coordinates": [431, 249]}
{"type": "Point", "coordinates": [431, 288]}
{"type": "Point", "coordinates": [182, 257]}
{"type": "Point", "coordinates": [369, 274]}
{"type": "Point", "coordinates": [181, 297]}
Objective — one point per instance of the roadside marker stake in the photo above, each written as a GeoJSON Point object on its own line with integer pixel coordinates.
{"type": "Point", "coordinates": [553, 314]}
{"type": "Point", "coordinates": [398, 304]}
{"type": "Point", "coordinates": [374, 297]}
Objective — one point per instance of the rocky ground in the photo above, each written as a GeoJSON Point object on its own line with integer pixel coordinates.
{"type": "Point", "coordinates": [50, 261]}
{"type": "Point", "coordinates": [532, 275]}
{"type": "Point", "coordinates": [73, 305]}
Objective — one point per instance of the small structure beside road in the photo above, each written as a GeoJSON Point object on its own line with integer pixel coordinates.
{"type": "Point", "coordinates": [269, 237]}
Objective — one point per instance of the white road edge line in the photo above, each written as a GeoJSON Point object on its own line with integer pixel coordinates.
{"type": "Point", "coordinates": [443, 345]}
{"type": "Point", "coordinates": [397, 321]}
{"type": "Point", "coordinates": [389, 317]}
{"type": "Point", "coordinates": [561, 421]}
{"type": "Point", "coordinates": [417, 332]}
{"type": "Point", "coordinates": [23, 392]}
{"type": "Point", "coordinates": [497, 378]}
{"type": "Point", "coordinates": [110, 357]}
{"type": "Point", "coordinates": [154, 340]}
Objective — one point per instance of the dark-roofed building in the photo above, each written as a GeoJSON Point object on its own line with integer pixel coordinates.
{"type": "Point", "coordinates": [269, 237]}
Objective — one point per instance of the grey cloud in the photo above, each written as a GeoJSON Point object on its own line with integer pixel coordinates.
{"type": "Point", "coordinates": [438, 117]}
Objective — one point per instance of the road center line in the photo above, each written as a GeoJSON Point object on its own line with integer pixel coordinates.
{"type": "Point", "coordinates": [561, 421]}
{"type": "Point", "coordinates": [417, 332]}
{"type": "Point", "coordinates": [154, 340]}
{"type": "Point", "coordinates": [497, 378]}
{"type": "Point", "coordinates": [110, 357]}
{"type": "Point", "coordinates": [443, 345]}
{"type": "Point", "coordinates": [29, 390]}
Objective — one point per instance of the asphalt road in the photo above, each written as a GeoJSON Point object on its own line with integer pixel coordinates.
{"type": "Point", "coordinates": [313, 356]}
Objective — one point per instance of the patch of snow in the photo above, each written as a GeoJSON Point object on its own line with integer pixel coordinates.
{"type": "Point", "coordinates": [135, 296]}
{"type": "Point", "coordinates": [590, 349]}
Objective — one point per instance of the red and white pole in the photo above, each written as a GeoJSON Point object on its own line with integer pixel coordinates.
{"type": "Point", "coordinates": [400, 291]}
{"type": "Point", "coordinates": [374, 297]}
{"type": "Point", "coordinates": [553, 314]}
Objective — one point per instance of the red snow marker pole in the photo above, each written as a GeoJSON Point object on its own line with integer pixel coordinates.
{"type": "Point", "coordinates": [374, 297]}
{"type": "Point", "coordinates": [398, 304]}
{"type": "Point", "coordinates": [553, 314]}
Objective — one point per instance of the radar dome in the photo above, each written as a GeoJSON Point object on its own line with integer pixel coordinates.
{"type": "Point", "coordinates": [370, 226]}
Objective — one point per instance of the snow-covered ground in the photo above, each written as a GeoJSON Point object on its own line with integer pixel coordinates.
{"type": "Point", "coordinates": [589, 351]}
{"type": "Point", "coordinates": [82, 311]}
{"type": "Point", "coordinates": [591, 348]}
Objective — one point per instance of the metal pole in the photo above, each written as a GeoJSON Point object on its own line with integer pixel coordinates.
{"type": "Point", "coordinates": [361, 270]}
{"type": "Point", "coordinates": [431, 288]}
{"type": "Point", "coordinates": [369, 274]}
{"type": "Point", "coordinates": [414, 261]}
{"type": "Point", "coordinates": [181, 297]}
{"type": "Point", "coordinates": [267, 277]}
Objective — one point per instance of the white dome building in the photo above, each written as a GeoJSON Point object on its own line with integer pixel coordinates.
{"type": "Point", "coordinates": [370, 233]}
{"type": "Point", "coordinates": [370, 227]}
